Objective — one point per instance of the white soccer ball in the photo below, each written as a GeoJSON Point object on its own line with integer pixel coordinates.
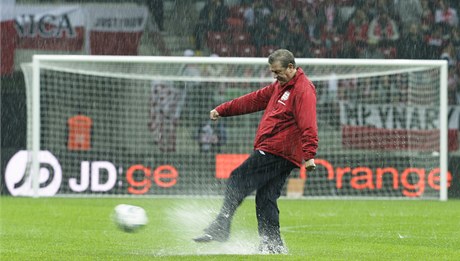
{"type": "Point", "coordinates": [129, 218]}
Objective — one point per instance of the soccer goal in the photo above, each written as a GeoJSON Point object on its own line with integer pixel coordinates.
{"type": "Point", "coordinates": [120, 125]}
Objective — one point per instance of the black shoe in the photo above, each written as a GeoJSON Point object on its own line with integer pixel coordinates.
{"type": "Point", "coordinates": [272, 249]}
{"type": "Point", "coordinates": [205, 238]}
{"type": "Point", "coordinates": [208, 237]}
{"type": "Point", "coordinates": [272, 246]}
{"type": "Point", "coordinates": [218, 231]}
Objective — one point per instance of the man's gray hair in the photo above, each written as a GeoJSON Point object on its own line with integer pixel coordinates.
{"type": "Point", "coordinates": [285, 57]}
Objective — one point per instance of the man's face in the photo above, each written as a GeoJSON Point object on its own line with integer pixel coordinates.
{"type": "Point", "coordinates": [283, 75]}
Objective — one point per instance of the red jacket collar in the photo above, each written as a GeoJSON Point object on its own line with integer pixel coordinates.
{"type": "Point", "coordinates": [294, 79]}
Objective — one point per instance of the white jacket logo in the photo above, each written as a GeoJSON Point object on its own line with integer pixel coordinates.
{"type": "Point", "coordinates": [285, 96]}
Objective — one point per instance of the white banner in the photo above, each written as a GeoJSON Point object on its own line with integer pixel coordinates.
{"type": "Point", "coordinates": [48, 20]}
{"type": "Point", "coordinates": [50, 27]}
{"type": "Point", "coordinates": [115, 29]}
{"type": "Point", "coordinates": [115, 18]}
{"type": "Point", "coordinates": [396, 116]}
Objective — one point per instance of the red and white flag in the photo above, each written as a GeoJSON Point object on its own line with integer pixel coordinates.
{"type": "Point", "coordinates": [8, 36]}
{"type": "Point", "coordinates": [116, 30]}
{"type": "Point", "coordinates": [108, 29]}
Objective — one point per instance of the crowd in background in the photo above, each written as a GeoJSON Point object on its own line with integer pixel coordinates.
{"type": "Point", "coordinates": [381, 29]}
{"type": "Point", "coordinates": [413, 29]}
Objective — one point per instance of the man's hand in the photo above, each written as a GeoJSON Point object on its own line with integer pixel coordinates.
{"type": "Point", "coordinates": [310, 165]}
{"type": "Point", "coordinates": [214, 115]}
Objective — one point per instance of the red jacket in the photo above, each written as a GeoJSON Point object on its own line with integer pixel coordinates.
{"type": "Point", "coordinates": [288, 127]}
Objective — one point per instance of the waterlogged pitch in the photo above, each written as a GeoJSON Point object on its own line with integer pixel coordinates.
{"type": "Point", "coordinates": [81, 229]}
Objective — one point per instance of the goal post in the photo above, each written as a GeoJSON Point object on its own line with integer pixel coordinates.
{"type": "Point", "coordinates": [443, 155]}
{"type": "Point", "coordinates": [135, 125]}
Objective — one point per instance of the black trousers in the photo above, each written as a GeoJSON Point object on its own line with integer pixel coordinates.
{"type": "Point", "coordinates": [265, 173]}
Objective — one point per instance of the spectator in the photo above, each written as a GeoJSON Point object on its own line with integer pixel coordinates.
{"type": "Point", "coordinates": [358, 25]}
{"type": "Point", "coordinates": [427, 19]}
{"type": "Point", "coordinates": [332, 42]}
{"type": "Point", "coordinates": [261, 13]}
{"type": "Point", "coordinates": [455, 38]}
{"type": "Point", "coordinates": [311, 25]}
{"type": "Point", "coordinates": [387, 89]}
{"type": "Point", "coordinates": [389, 6]}
{"type": "Point", "coordinates": [356, 33]}
{"type": "Point", "coordinates": [165, 111]}
{"type": "Point", "coordinates": [262, 9]}
{"type": "Point", "coordinates": [213, 17]}
{"type": "Point", "coordinates": [282, 18]}
{"type": "Point", "coordinates": [328, 15]}
{"type": "Point", "coordinates": [448, 53]}
{"type": "Point", "coordinates": [445, 14]}
{"type": "Point", "coordinates": [351, 51]}
{"type": "Point", "coordinates": [383, 29]}
{"type": "Point", "coordinates": [156, 9]}
{"type": "Point", "coordinates": [452, 86]}
{"type": "Point", "coordinates": [372, 51]}
{"type": "Point", "coordinates": [297, 37]}
{"type": "Point", "coordinates": [409, 12]}
{"type": "Point", "coordinates": [412, 44]}
{"type": "Point", "coordinates": [435, 42]}
{"type": "Point", "coordinates": [248, 13]}
{"type": "Point", "coordinates": [457, 89]}
{"type": "Point", "coordinates": [256, 13]}
{"type": "Point", "coordinates": [369, 7]}
{"type": "Point", "coordinates": [213, 70]}
{"type": "Point", "coordinates": [211, 135]}
{"type": "Point", "coordinates": [273, 35]}
{"type": "Point", "coordinates": [153, 31]}
{"type": "Point", "coordinates": [190, 70]}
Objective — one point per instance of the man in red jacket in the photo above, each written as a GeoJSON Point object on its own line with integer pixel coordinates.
{"type": "Point", "coordinates": [286, 138]}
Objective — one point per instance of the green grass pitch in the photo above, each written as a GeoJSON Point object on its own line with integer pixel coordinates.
{"type": "Point", "coordinates": [81, 229]}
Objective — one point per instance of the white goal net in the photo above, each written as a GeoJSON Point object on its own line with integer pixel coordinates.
{"type": "Point", "coordinates": [106, 125]}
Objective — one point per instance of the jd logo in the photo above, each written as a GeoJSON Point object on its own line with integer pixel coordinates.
{"type": "Point", "coordinates": [18, 178]}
